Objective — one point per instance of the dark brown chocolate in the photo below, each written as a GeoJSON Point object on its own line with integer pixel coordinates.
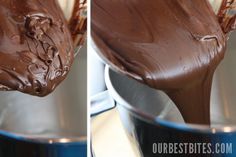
{"type": "Point", "coordinates": [227, 15]}
{"type": "Point", "coordinates": [78, 22]}
{"type": "Point", "coordinates": [171, 45]}
{"type": "Point", "coordinates": [36, 49]}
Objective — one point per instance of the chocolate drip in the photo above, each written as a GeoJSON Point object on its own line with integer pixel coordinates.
{"type": "Point", "coordinates": [171, 45]}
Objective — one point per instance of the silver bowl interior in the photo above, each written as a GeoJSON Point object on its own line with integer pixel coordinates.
{"type": "Point", "coordinates": [157, 104]}
{"type": "Point", "coordinates": [60, 115]}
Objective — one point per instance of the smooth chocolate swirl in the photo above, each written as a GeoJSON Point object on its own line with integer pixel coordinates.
{"type": "Point", "coordinates": [171, 45]}
{"type": "Point", "coordinates": [36, 49]}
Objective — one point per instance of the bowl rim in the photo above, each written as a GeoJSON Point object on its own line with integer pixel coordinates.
{"type": "Point", "coordinates": [43, 140]}
{"type": "Point", "coordinates": [197, 128]}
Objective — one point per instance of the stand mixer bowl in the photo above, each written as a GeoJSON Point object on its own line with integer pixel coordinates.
{"type": "Point", "coordinates": [150, 117]}
{"type": "Point", "coordinates": [51, 126]}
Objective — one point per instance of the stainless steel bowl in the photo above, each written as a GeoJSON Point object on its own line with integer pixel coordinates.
{"type": "Point", "coordinates": [51, 126]}
{"type": "Point", "coordinates": [149, 116]}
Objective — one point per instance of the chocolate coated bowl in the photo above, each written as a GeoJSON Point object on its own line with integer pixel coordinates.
{"type": "Point", "coordinates": [150, 117]}
{"type": "Point", "coordinates": [51, 126]}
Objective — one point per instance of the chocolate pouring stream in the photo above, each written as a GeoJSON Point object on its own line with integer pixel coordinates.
{"type": "Point", "coordinates": [171, 45]}
{"type": "Point", "coordinates": [36, 49]}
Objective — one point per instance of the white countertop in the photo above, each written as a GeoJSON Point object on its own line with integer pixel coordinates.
{"type": "Point", "coordinates": [108, 136]}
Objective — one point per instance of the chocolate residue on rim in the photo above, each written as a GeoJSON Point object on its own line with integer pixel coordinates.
{"type": "Point", "coordinates": [171, 45]}
{"type": "Point", "coordinates": [36, 49]}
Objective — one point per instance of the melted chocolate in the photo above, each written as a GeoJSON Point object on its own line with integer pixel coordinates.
{"type": "Point", "coordinates": [36, 49]}
{"type": "Point", "coordinates": [171, 45]}
{"type": "Point", "coordinates": [78, 22]}
{"type": "Point", "coordinates": [227, 15]}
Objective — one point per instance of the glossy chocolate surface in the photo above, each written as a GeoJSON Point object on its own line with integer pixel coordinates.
{"type": "Point", "coordinates": [36, 49]}
{"type": "Point", "coordinates": [171, 45]}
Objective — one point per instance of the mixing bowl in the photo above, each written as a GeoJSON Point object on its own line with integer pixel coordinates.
{"type": "Point", "coordinates": [51, 126]}
{"type": "Point", "coordinates": [153, 123]}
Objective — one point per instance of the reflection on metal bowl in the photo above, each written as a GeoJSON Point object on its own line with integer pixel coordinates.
{"type": "Point", "coordinates": [51, 126]}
